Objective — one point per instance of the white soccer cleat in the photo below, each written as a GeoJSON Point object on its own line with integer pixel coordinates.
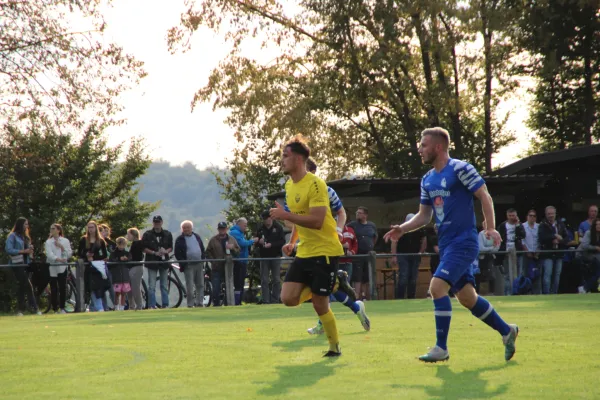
{"type": "Point", "coordinates": [362, 316]}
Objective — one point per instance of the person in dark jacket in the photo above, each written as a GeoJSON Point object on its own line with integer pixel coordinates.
{"type": "Point", "coordinates": [189, 246]}
{"type": "Point", "coordinates": [552, 235]}
{"type": "Point", "coordinates": [92, 247]}
{"type": "Point", "coordinates": [120, 272]}
{"type": "Point", "coordinates": [219, 246]}
{"type": "Point", "coordinates": [513, 235]}
{"type": "Point", "coordinates": [271, 239]}
{"type": "Point", "coordinates": [158, 244]}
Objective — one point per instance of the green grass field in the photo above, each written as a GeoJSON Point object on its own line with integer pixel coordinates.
{"type": "Point", "coordinates": [264, 352]}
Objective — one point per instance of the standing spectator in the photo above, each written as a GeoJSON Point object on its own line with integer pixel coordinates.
{"type": "Point", "coordinates": [92, 247]}
{"type": "Point", "coordinates": [218, 246]}
{"type": "Point", "coordinates": [585, 225]}
{"type": "Point", "coordinates": [531, 263]}
{"type": "Point", "coordinates": [552, 235]}
{"type": "Point", "coordinates": [158, 244]}
{"type": "Point", "coordinates": [18, 247]}
{"type": "Point", "coordinates": [512, 234]}
{"type": "Point", "coordinates": [271, 240]}
{"type": "Point", "coordinates": [111, 246]}
{"type": "Point", "coordinates": [486, 258]}
{"type": "Point", "coordinates": [366, 234]}
{"type": "Point", "coordinates": [240, 267]}
{"type": "Point", "coordinates": [407, 260]}
{"type": "Point", "coordinates": [350, 245]}
{"type": "Point", "coordinates": [136, 272]}
{"type": "Point", "coordinates": [588, 259]}
{"type": "Point", "coordinates": [58, 251]}
{"type": "Point", "coordinates": [189, 246]}
{"type": "Point", "coordinates": [120, 273]}
{"type": "Point", "coordinates": [105, 231]}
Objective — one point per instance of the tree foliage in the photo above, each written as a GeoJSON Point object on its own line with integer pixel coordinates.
{"type": "Point", "coordinates": [50, 177]}
{"type": "Point", "coordinates": [563, 39]}
{"type": "Point", "coordinates": [362, 79]}
{"type": "Point", "coordinates": [53, 73]}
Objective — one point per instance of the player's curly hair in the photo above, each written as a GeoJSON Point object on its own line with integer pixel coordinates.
{"type": "Point", "coordinates": [299, 145]}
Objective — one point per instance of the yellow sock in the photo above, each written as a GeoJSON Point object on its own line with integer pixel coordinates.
{"type": "Point", "coordinates": [330, 327]}
{"type": "Point", "coordinates": [305, 295]}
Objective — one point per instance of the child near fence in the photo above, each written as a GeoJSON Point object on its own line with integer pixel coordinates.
{"type": "Point", "coordinates": [120, 273]}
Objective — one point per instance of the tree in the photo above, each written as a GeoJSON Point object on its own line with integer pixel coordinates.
{"type": "Point", "coordinates": [52, 74]}
{"type": "Point", "coordinates": [563, 38]}
{"type": "Point", "coordinates": [50, 177]}
{"type": "Point", "coordinates": [361, 79]}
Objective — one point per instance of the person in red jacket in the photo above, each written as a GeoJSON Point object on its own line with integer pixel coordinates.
{"type": "Point", "coordinates": [344, 293]}
{"type": "Point", "coordinates": [350, 244]}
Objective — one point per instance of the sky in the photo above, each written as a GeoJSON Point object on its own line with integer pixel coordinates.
{"type": "Point", "coordinates": [159, 110]}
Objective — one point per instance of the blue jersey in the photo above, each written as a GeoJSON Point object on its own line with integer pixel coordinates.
{"type": "Point", "coordinates": [450, 193]}
{"type": "Point", "coordinates": [334, 202]}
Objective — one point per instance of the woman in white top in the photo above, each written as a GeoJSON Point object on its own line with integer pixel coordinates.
{"type": "Point", "coordinates": [58, 252]}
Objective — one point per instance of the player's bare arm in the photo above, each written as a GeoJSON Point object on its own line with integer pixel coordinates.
{"type": "Point", "coordinates": [313, 220]}
{"type": "Point", "coordinates": [422, 218]}
{"type": "Point", "coordinates": [487, 207]}
{"type": "Point", "coordinates": [341, 219]}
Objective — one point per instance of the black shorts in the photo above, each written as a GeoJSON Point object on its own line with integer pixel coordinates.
{"type": "Point", "coordinates": [318, 273]}
{"type": "Point", "coordinates": [360, 270]}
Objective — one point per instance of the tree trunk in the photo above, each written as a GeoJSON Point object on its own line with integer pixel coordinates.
{"type": "Point", "coordinates": [487, 97]}
{"type": "Point", "coordinates": [588, 88]}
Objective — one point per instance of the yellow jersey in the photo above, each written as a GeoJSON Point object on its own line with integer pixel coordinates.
{"type": "Point", "coordinates": [310, 192]}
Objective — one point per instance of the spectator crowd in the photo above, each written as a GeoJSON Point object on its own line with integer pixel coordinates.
{"type": "Point", "coordinates": [539, 261]}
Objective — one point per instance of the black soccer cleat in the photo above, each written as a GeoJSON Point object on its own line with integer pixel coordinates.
{"type": "Point", "coordinates": [344, 286]}
{"type": "Point", "coordinates": [334, 353]}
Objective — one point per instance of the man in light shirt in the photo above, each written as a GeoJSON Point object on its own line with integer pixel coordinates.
{"type": "Point", "coordinates": [531, 244]}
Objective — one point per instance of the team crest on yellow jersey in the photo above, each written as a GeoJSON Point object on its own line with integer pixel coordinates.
{"type": "Point", "coordinates": [297, 198]}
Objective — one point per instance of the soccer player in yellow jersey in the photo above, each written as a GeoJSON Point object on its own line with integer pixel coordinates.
{"type": "Point", "coordinates": [312, 273]}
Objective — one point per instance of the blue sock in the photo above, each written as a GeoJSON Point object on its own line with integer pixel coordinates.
{"type": "Point", "coordinates": [345, 300]}
{"type": "Point", "coordinates": [443, 315]}
{"type": "Point", "coordinates": [485, 312]}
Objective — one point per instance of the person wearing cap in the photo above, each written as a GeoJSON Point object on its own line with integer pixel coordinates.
{"type": "Point", "coordinates": [240, 267]}
{"type": "Point", "coordinates": [158, 244]}
{"type": "Point", "coordinates": [219, 246]}
{"type": "Point", "coordinates": [271, 239]}
{"type": "Point", "coordinates": [189, 246]}
{"type": "Point", "coordinates": [408, 260]}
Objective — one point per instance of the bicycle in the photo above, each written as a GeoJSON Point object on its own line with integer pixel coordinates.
{"type": "Point", "coordinates": [71, 296]}
{"type": "Point", "coordinates": [176, 288]}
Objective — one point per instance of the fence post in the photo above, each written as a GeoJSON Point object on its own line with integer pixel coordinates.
{"type": "Point", "coordinates": [80, 285]}
{"type": "Point", "coordinates": [373, 274]}
{"type": "Point", "coordinates": [229, 295]}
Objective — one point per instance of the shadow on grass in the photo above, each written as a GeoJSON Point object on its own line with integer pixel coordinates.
{"type": "Point", "coordinates": [300, 376]}
{"type": "Point", "coordinates": [300, 344]}
{"type": "Point", "coordinates": [462, 385]}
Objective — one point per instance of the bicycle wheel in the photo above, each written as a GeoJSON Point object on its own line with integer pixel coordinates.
{"type": "Point", "coordinates": [43, 300]}
{"type": "Point", "coordinates": [71, 297]}
{"type": "Point", "coordinates": [145, 295]}
{"type": "Point", "coordinates": [208, 293]}
{"type": "Point", "coordinates": [174, 291]}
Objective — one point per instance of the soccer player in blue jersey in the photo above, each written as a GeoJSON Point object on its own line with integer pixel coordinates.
{"type": "Point", "coordinates": [447, 192]}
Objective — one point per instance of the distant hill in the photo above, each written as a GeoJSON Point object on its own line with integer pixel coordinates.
{"type": "Point", "coordinates": [185, 192]}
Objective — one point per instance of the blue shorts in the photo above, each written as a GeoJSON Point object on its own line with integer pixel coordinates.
{"type": "Point", "coordinates": [456, 265]}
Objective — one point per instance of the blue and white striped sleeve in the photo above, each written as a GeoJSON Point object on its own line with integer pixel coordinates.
{"type": "Point", "coordinates": [425, 199]}
{"type": "Point", "coordinates": [334, 201]}
{"type": "Point", "coordinates": [468, 176]}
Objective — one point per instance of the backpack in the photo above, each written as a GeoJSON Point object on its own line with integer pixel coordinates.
{"type": "Point", "coordinates": [533, 270]}
{"type": "Point", "coordinates": [522, 285]}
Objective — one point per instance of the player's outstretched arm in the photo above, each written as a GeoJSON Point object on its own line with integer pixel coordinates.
{"type": "Point", "coordinates": [422, 218]}
{"type": "Point", "coordinates": [487, 207]}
